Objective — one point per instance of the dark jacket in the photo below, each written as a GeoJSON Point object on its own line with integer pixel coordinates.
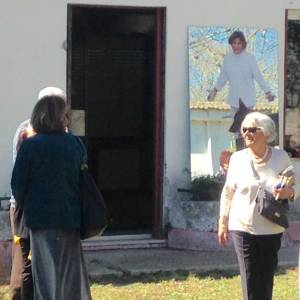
{"type": "Point", "coordinates": [45, 181]}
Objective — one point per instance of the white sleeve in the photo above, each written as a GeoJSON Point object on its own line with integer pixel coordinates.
{"type": "Point", "coordinates": [228, 189]}
{"type": "Point", "coordinates": [223, 77]}
{"type": "Point", "coordinates": [19, 130]}
{"type": "Point", "coordinates": [258, 76]}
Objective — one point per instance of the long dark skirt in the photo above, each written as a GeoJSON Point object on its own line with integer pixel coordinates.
{"type": "Point", "coordinates": [58, 267]}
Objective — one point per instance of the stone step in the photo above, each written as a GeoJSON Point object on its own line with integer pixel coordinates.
{"type": "Point", "coordinates": [116, 242]}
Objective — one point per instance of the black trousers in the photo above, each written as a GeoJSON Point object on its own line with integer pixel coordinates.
{"type": "Point", "coordinates": [258, 258]}
{"type": "Point", "coordinates": [21, 284]}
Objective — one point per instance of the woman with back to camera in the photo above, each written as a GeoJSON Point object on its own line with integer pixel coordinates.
{"type": "Point", "coordinates": [256, 239]}
{"type": "Point", "coordinates": [45, 182]}
{"type": "Point", "coordinates": [240, 69]}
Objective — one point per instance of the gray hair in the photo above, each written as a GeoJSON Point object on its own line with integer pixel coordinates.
{"type": "Point", "coordinates": [262, 121]}
{"type": "Point", "coordinates": [52, 91]}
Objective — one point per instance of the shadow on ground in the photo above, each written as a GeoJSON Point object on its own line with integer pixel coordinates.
{"type": "Point", "coordinates": [177, 276]}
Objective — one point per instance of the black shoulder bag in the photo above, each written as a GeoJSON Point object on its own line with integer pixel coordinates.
{"type": "Point", "coordinates": [274, 210]}
{"type": "Point", "coordinates": [94, 214]}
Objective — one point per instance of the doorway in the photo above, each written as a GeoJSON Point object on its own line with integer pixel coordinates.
{"type": "Point", "coordinates": [292, 84]}
{"type": "Point", "coordinates": [115, 77]}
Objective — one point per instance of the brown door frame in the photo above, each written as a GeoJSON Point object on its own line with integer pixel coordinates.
{"type": "Point", "coordinates": [285, 73]}
{"type": "Point", "coordinates": [160, 33]}
{"type": "Point", "coordinates": [159, 101]}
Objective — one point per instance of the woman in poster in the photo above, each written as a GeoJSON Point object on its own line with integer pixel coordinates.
{"type": "Point", "coordinates": [240, 69]}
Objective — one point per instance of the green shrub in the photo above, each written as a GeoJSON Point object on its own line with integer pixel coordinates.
{"type": "Point", "coordinates": [207, 187]}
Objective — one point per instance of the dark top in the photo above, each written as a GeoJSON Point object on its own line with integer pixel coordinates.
{"type": "Point", "coordinates": [45, 181]}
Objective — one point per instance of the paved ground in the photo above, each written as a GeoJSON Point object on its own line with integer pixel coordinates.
{"type": "Point", "coordinates": [105, 265]}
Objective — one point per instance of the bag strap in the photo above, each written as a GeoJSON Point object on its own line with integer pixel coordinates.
{"type": "Point", "coordinates": [255, 174]}
{"type": "Point", "coordinates": [84, 164]}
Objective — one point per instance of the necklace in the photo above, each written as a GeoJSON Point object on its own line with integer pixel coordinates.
{"type": "Point", "coordinates": [260, 159]}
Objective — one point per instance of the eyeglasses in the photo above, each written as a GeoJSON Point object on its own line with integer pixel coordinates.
{"type": "Point", "coordinates": [250, 129]}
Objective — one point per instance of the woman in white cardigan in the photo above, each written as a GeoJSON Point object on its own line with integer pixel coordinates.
{"type": "Point", "coordinates": [240, 69]}
{"type": "Point", "coordinates": [256, 239]}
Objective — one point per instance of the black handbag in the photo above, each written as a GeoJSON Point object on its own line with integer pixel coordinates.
{"type": "Point", "coordinates": [274, 210]}
{"type": "Point", "coordinates": [94, 214]}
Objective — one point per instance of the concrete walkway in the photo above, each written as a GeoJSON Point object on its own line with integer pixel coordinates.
{"type": "Point", "coordinates": [106, 265]}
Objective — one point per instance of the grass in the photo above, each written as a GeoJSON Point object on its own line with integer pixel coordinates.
{"type": "Point", "coordinates": [183, 286]}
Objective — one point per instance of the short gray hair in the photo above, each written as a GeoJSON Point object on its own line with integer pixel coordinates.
{"type": "Point", "coordinates": [262, 121]}
{"type": "Point", "coordinates": [52, 91]}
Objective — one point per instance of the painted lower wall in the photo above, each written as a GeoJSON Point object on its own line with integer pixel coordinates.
{"type": "Point", "coordinates": [32, 56]}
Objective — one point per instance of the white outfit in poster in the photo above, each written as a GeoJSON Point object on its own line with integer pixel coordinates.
{"type": "Point", "coordinates": [240, 70]}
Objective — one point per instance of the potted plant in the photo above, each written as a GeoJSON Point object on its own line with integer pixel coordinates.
{"type": "Point", "coordinates": [207, 187]}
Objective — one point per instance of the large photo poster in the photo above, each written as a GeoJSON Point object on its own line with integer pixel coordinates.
{"type": "Point", "coordinates": [232, 71]}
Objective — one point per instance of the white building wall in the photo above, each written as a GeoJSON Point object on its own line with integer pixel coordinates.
{"type": "Point", "coordinates": [32, 33]}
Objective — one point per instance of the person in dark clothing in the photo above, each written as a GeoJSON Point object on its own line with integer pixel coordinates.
{"type": "Point", "coordinates": [21, 278]}
{"type": "Point", "coordinates": [45, 183]}
{"type": "Point", "coordinates": [21, 286]}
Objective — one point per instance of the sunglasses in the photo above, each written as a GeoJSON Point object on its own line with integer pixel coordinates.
{"type": "Point", "coordinates": [250, 129]}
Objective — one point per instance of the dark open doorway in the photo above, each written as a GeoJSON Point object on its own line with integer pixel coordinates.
{"type": "Point", "coordinates": [292, 83]}
{"type": "Point", "coordinates": [115, 75]}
